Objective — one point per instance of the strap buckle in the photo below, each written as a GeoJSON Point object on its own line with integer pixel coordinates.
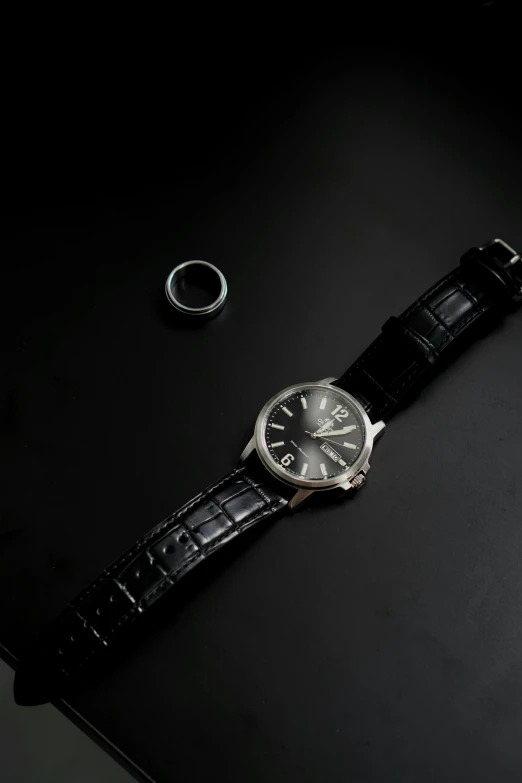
{"type": "Point", "coordinates": [516, 258]}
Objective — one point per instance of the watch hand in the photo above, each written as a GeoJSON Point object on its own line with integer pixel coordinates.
{"type": "Point", "coordinates": [314, 435]}
{"type": "Point", "coordinates": [344, 431]}
{"type": "Point", "coordinates": [336, 443]}
{"type": "Point", "coordinates": [324, 426]}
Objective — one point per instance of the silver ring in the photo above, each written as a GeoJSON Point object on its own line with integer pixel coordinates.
{"type": "Point", "coordinates": [209, 272]}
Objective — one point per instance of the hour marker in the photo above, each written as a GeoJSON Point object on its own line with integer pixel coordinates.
{"type": "Point", "coordinates": [304, 469]}
{"type": "Point", "coordinates": [280, 443]}
{"type": "Point", "coordinates": [323, 404]}
{"type": "Point", "coordinates": [350, 445]}
{"type": "Point", "coordinates": [323, 469]}
{"type": "Point", "coordinates": [305, 406]}
{"type": "Point", "coordinates": [336, 410]}
{"type": "Point", "coordinates": [342, 462]}
{"type": "Point", "coordinates": [277, 426]}
{"type": "Point", "coordinates": [288, 413]}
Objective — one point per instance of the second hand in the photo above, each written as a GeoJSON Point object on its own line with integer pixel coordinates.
{"type": "Point", "coordinates": [315, 436]}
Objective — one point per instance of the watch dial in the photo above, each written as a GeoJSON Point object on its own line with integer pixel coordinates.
{"type": "Point", "coordinates": [314, 433]}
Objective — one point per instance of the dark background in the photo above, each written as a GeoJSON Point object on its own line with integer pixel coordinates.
{"type": "Point", "coordinates": [333, 178]}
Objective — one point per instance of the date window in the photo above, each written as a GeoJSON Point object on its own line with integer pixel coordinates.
{"type": "Point", "coordinates": [330, 452]}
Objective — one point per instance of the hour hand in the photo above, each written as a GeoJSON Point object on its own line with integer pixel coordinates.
{"type": "Point", "coordinates": [344, 431]}
{"type": "Point", "coordinates": [324, 427]}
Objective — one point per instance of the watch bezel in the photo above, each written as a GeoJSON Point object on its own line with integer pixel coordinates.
{"type": "Point", "coordinates": [316, 484]}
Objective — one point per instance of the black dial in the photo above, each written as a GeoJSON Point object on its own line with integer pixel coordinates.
{"type": "Point", "coordinates": [314, 433]}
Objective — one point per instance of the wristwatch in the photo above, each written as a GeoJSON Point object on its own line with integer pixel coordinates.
{"type": "Point", "coordinates": [311, 437]}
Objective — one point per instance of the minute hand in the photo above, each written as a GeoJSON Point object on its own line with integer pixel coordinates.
{"type": "Point", "coordinates": [344, 431]}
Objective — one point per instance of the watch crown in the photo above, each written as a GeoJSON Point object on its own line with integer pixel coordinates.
{"type": "Point", "coordinates": [358, 480]}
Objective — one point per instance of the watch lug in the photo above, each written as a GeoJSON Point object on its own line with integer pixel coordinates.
{"type": "Point", "coordinates": [249, 448]}
{"type": "Point", "coordinates": [378, 429]}
{"type": "Point", "coordinates": [299, 497]}
{"type": "Point", "coordinates": [327, 380]}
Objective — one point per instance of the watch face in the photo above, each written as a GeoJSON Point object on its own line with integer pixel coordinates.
{"type": "Point", "coordinates": [313, 433]}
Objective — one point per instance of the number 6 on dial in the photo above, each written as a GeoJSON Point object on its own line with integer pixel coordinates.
{"type": "Point", "coordinates": [287, 459]}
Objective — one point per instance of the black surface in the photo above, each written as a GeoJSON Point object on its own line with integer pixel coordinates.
{"type": "Point", "coordinates": [378, 640]}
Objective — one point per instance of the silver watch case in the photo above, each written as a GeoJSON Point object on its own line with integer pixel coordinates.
{"type": "Point", "coordinates": [352, 478]}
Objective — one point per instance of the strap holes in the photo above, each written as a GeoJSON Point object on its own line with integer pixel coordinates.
{"type": "Point", "coordinates": [60, 651]}
{"type": "Point", "coordinates": [169, 549]}
{"type": "Point", "coordinates": [137, 573]}
{"type": "Point", "coordinates": [71, 637]}
{"type": "Point", "coordinates": [98, 610]}
{"type": "Point", "coordinates": [112, 598]}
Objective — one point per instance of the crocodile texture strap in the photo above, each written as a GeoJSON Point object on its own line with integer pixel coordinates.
{"type": "Point", "coordinates": [405, 354]}
{"type": "Point", "coordinates": [134, 582]}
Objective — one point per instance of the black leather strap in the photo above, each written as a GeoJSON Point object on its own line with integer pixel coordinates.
{"type": "Point", "coordinates": [134, 582]}
{"type": "Point", "coordinates": [404, 355]}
